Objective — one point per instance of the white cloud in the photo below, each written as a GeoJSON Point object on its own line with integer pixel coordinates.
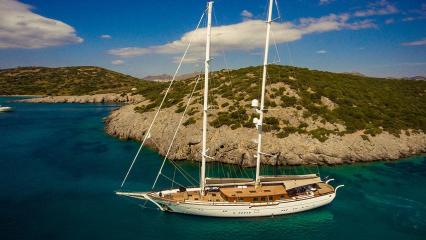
{"type": "Point", "coordinates": [247, 35]}
{"type": "Point", "coordinates": [415, 14]}
{"type": "Point", "coordinates": [364, 24]}
{"type": "Point", "coordinates": [408, 19]}
{"type": "Point", "coordinates": [389, 21]}
{"type": "Point", "coordinates": [420, 42]}
{"type": "Point", "coordinates": [105, 36]}
{"type": "Point", "coordinates": [117, 62]}
{"type": "Point", "coordinates": [382, 7]}
{"type": "Point", "coordinates": [325, 2]}
{"type": "Point", "coordinates": [21, 28]}
{"type": "Point", "coordinates": [188, 59]}
{"type": "Point", "coordinates": [321, 51]}
{"type": "Point", "coordinates": [129, 51]}
{"type": "Point", "coordinates": [246, 14]}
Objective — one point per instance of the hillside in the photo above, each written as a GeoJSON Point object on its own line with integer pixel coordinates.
{"type": "Point", "coordinates": [313, 117]}
{"type": "Point", "coordinates": [63, 81]}
{"type": "Point", "coordinates": [327, 102]}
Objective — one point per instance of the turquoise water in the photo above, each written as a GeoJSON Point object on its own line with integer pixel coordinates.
{"type": "Point", "coordinates": [59, 171]}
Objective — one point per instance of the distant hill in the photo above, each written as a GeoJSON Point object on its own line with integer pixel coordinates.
{"type": "Point", "coordinates": [166, 77]}
{"type": "Point", "coordinates": [416, 78]}
{"type": "Point", "coordinates": [356, 74]}
{"type": "Point", "coordinates": [158, 78]}
{"type": "Point", "coordinates": [64, 81]}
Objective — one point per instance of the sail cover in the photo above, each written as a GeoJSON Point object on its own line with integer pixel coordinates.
{"type": "Point", "coordinates": [292, 181]}
{"type": "Point", "coordinates": [290, 184]}
{"type": "Point", "coordinates": [228, 181]}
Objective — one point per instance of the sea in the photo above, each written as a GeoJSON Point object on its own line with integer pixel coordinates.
{"type": "Point", "coordinates": [59, 171]}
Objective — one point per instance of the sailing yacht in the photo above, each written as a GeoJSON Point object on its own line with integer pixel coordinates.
{"type": "Point", "coordinates": [240, 197]}
{"type": "Point", "coordinates": [5, 109]}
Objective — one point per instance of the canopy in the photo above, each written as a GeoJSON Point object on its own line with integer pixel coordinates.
{"type": "Point", "coordinates": [228, 181]}
{"type": "Point", "coordinates": [281, 178]}
{"type": "Point", "coordinates": [289, 184]}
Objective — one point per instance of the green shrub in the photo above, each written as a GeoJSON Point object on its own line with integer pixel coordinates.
{"type": "Point", "coordinates": [320, 133]}
{"type": "Point", "coordinates": [189, 121]}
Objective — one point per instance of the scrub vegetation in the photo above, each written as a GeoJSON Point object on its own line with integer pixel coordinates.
{"type": "Point", "coordinates": [372, 105]}
{"type": "Point", "coordinates": [362, 103]}
{"type": "Point", "coordinates": [63, 81]}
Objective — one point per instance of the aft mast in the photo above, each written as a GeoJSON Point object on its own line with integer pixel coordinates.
{"type": "Point", "coordinates": [262, 100]}
{"type": "Point", "coordinates": [205, 107]}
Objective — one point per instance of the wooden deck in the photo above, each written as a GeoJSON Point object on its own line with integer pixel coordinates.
{"type": "Point", "coordinates": [266, 193]}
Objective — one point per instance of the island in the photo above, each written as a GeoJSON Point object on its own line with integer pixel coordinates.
{"type": "Point", "coordinates": [313, 117]}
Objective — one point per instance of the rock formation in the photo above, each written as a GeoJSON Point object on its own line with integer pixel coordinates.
{"type": "Point", "coordinates": [96, 98]}
{"type": "Point", "coordinates": [238, 146]}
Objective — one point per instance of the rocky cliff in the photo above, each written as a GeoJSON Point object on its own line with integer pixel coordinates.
{"type": "Point", "coordinates": [238, 146]}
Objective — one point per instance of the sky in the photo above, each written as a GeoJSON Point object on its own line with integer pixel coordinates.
{"type": "Point", "coordinates": [385, 38]}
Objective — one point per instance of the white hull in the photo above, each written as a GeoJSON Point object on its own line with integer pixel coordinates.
{"type": "Point", "coordinates": [243, 209]}
{"type": "Point", "coordinates": [5, 109]}
{"type": "Point", "coordinates": [248, 210]}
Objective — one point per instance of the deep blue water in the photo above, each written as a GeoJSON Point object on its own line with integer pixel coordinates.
{"type": "Point", "coordinates": [59, 171]}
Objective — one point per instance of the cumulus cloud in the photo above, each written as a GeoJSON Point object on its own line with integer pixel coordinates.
{"type": "Point", "coordinates": [382, 7]}
{"type": "Point", "coordinates": [408, 19]}
{"type": "Point", "coordinates": [416, 14]}
{"type": "Point", "coordinates": [246, 14]}
{"type": "Point", "coordinates": [105, 36]}
{"type": "Point", "coordinates": [248, 35]}
{"type": "Point", "coordinates": [117, 62]}
{"type": "Point", "coordinates": [129, 51]}
{"type": "Point", "coordinates": [420, 42]}
{"type": "Point", "coordinates": [389, 21]}
{"type": "Point", "coordinates": [21, 28]}
{"type": "Point", "coordinates": [189, 59]}
{"type": "Point", "coordinates": [364, 24]}
{"type": "Point", "coordinates": [321, 51]}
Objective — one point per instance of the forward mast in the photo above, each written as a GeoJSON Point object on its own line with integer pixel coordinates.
{"type": "Point", "coordinates": [259, 122]}
{"type": "Point", "coordinates": [205, 106]}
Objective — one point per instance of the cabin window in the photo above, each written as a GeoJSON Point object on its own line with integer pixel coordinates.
{"type": "Point", "coordinates": [263, 199]}
{"type": "Point", "coordinates": [239, 192]}
{"type": "Point", "coordinates": [214, 194]}
{"type": "Point", "coordinates": [255, 199]}
{"type": "Point", "coordinates": [252, 191]}
{"type": "Point", "coordinates": [240, 199]}
{"type": "Point", "coordinates": [271, 198]}
{"type": "Point", "coordinates": [195, 198]}
{"type": "Point", "coordinates": [267, 190]}
{"type": "Point", "coordinates": [282, 197]}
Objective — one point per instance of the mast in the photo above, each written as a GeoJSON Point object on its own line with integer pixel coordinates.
{"type": "Point", "coordinates": [262, 100]}
{"type": "Point", "coordinates": [206, 89]}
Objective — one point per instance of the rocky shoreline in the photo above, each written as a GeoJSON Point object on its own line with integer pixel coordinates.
{"type": "Point", "coordinates": [96, 98]}
{"type": "Point", "coordinates": [238, 146]}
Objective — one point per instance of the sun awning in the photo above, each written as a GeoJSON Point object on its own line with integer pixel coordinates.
{"type": "Point", "coordinates": [290, 184]}
{"type": "Point", "coordinates": [228, 181]}
{"type": "Point", "coordinates": [281, 178]}
{"type": "Point", "coordinates": [291, 181]}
